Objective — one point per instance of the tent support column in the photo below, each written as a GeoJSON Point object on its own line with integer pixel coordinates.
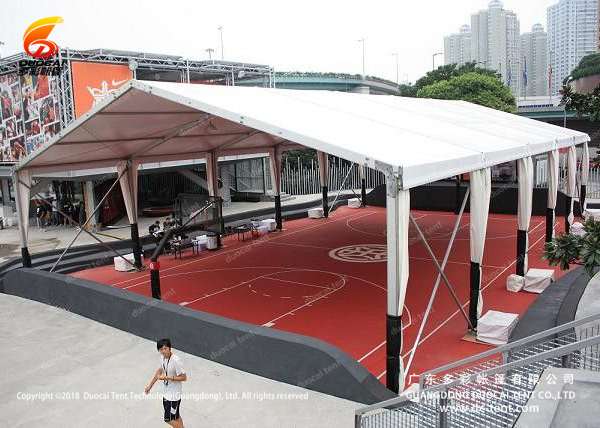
{"type": "Point", "coordinates": [135, 245]}
{"type": "Point", "coordinates": [481, 186]}
{"type": "Point", "coordinates": [323, 162]}
{"type": "Point", "coordinates": [393, 338]}
{"type": "Point", "coordinates": [128, 177]}
{"type": "Point", "coordinates": [585, 171]}
{"type": "Point", "coordinates": [552, 177]}
{"type": "Point", "coordinates": [397, 218]}
{"type": "Point", "coordinates": [457, 187]}
{"type": "Point", "coordinates": [363, 185]}
{"type": "Point", "coordinates": [22, 183]}
{"type": "Point", "coordinates": [525, 194]}
{"type": "Point", "coordinates": [275, 164]}
{"type": "Point", "coordinates": [571, 186]}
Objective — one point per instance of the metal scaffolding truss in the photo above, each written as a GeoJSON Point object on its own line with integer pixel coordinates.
{"type": "Point", "coordinates": [66, 105]}
{"type": "Point", "coordinates": [147, 66]}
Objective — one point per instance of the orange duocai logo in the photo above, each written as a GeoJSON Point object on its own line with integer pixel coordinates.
{"type": "Point", "coordinates": [38, 33]}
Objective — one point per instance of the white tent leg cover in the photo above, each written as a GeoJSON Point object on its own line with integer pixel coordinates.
{"type": "Point", "coordinates": [571, 186]}
{"type": "Point", "coordinates": [323, 161]}
{"type": "Point", "coordinates": [128, 171]}
{"type": "Point", "coordinates": [22, 180]}
{"type": "Point", "coordinates": [212, 177]}
{"type": "Point", "coordinates": [480, 205]}
{"type": "Point", "coordinates": [585, 170]}
{"type": "Point", "coordinates": [275, 164]}
{"type": "Point", "coordinates": [553, 158]}
{"type": "Point", "coordinates": [525, 171]}
{"type": "Point", "coordinates": [397, 213]}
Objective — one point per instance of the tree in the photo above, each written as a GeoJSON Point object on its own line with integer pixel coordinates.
{"type": "Point", "coordinates": [568, 249]}
{"type": "Point", "coordinates": [474, 87]}
{"type": "Point", "coordinates": [442, 73]}
{"type": "Point", "coordinates": [588, 66]}
{"type": "Point", "coordinates": [582, 104]}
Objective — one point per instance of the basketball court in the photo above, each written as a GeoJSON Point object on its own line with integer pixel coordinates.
{"type": "Point", "coordinates": [326, 279]}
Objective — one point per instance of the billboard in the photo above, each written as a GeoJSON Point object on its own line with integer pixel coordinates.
{"type": "Point", "coordinates": [28, 114]}
{"type": "Point", "coordinates": [93, 81]}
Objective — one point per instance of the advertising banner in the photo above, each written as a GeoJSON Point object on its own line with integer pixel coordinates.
{"type": "Point", "coordinates": [93, 81]}
{"type": "Point", "coordinates": [28, 114]}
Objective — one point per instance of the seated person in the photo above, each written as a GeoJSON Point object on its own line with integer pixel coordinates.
{"type": "Point", "coordinates": [151, 229]}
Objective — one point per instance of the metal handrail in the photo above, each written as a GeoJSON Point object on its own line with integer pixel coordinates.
{"type": "Point", "coordinates": [517, 343]}
{"type": "Point", "coordinates": [558, 351]}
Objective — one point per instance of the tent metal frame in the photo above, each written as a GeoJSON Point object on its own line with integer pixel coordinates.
{"type": "Point", "coordinates": [437, 282]}
{"type": "Point", "coordinates": [73, 222]}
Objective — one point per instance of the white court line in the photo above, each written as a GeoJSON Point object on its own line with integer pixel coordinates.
{"type": "Point", "coordinates": [482, 289]}
{"type": "Point", "coordinates": [147, 281]}
{"type": "Point", "coordinates": [299, 245]}
{"type": "Point", "coordinates": [296, 282]}
{"type": "Point", "coordinates": [251, 243]}
{"type": "Point", "coordinates": [229, 288]}
{"type": "Point", "coordinates": [272, 322]}
{"type": "Point", "coordinates": [373, 233]}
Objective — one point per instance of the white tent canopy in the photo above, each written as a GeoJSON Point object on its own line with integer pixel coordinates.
{"type": "Point", "coordinates": [420, 140]}
{"type": "Point", "coordinates": [412, 141]}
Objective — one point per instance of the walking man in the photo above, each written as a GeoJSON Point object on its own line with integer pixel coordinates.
{"type": "Point", "coordinates": [171, 372]}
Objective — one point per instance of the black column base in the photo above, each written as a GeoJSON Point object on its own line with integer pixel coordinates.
{"type": "Point", "coordinates": [325, 202]}
{"type": "Point", "coordinates": [155, 282]}
{"type": "Point", "coordinates": [521, 251]}
{"type": "Point", "coordinates": [475, 277]}
{"type": "Point", "coordinates": [278, 221]}
{"type": "Point", "coordinates": [363, 192]}
{"type": "Point", "coordinates": [582, 198]}
{"type": "Point", "coordinates": [568, 200]}
{"type": "Point", "coordinates": [393, 345]}
{"type": "Point", "coordinates": [136, 247]}
{"type": "Point", "coordinates": [549, 224]}
{"type": "Point", "coordinates": [25, 257]}
{"type": "Point", "coordinates": [457, 203]}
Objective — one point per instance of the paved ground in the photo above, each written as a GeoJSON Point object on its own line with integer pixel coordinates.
{"type": "Point", "coordinates": [71, 367]}
{"type": "Point", "coordinates": [589, 304]}
{"type": "Point", "coordinates": [59, 236]}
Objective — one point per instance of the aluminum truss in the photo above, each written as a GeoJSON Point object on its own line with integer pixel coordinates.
{"type": "Point", "coordinates": [184, 70]}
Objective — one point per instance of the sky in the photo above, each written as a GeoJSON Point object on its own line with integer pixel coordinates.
{"type": "Point", "coordinates": [303, 35]}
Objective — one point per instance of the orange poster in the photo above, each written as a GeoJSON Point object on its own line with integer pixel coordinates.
{"type": "Point", "coordinates": [92, 82]}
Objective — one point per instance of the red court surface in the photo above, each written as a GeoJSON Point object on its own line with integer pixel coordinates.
{"type": "Point", "coordinates": [304, 281]}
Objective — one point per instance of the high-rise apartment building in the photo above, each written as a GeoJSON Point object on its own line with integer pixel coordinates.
{"type": "Point", "coordinates": [572, 34]}
{"type": "Point", "coordinates": [457, 47]}
{"type": "Point", "coordinates": [534, 63]}
{"type": "Point", "coordinates": [496, 42]}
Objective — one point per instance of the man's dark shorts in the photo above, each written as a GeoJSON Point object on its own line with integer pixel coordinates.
{"type": "Point", "coordinates": [171, 410]}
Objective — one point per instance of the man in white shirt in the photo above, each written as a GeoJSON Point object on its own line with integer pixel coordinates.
{"type": "Point", "coordinates": [171, 372]}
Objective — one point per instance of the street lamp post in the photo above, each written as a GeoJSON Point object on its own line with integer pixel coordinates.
{"type": "Point", "coordinates": [221, 31]}
{"type": "Point", "coordinates": [363, 57]}
{"type": "Point", "coordinates": [550, 72]}
{"type": "Point", "coordinates": [397, 80]}
{"type": "Point", "coordinates": [433, 58]}
{"type": "Point", "coordinates": [210, 51]}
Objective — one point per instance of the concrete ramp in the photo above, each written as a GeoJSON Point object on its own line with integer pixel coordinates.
{"type": "Point", "coordinates": [63, 370]}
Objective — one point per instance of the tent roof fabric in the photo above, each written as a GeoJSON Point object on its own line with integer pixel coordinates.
{"type": "Point", "coordinates": [419, 140]}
